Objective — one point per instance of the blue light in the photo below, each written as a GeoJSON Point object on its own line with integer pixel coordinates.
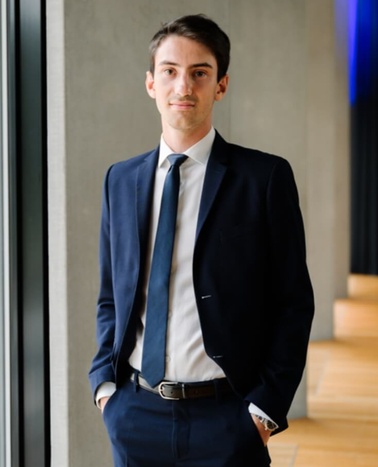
{"type": "Point", "coordinates": [352, 23]}
{"type": "Point", "coordinates": [362, 48]}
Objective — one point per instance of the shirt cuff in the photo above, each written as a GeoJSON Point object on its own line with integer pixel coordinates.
{"type": "Point", "coordinates": [253, 409]}
{"type": "Point", "coordinates": [106, 389]}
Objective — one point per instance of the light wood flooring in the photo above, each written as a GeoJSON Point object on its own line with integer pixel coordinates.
{"type": "Point", "coordinates": [341, 429]}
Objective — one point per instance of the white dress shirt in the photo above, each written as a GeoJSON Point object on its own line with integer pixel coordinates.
{"type": "Point", "coordinates": [186, 359]}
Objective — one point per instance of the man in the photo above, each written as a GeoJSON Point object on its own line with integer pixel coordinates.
{"type": "Point", "coordinates": [202, 327]}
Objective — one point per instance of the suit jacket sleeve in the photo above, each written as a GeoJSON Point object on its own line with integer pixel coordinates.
{"type": "Point", "coordinates": [102, 368]}
{"type": "Point", "coordinates": [291, 299]}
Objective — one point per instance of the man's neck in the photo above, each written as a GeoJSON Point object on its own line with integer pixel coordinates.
{"type": "Point", "coordinates": [179, 140]}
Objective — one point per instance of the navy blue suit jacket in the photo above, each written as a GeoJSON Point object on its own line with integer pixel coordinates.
{"type": "Point", "coordinates": [252, 287]}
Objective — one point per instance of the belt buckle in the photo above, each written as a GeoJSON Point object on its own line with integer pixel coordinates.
{"type": "Point", "coordinates": [161, 389]}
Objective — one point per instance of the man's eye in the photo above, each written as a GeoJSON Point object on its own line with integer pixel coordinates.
{"type": "Point", "coordinates": [168, 71]}
{"type": "Point", "coordinates": [199, 74]}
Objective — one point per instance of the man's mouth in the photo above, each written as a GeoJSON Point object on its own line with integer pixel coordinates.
{"type": "Point", "coordinates": [182, 104]}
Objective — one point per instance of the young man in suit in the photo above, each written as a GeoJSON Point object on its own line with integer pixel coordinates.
{"type": "Point", "coordinates": [205, 303]}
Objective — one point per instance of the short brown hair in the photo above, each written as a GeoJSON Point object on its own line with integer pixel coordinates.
{"type": "Point", "coordinates": [201, 29]}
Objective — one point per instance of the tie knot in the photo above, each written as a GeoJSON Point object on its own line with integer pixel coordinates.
{"type": "Point", "coordinates": [177, 159]}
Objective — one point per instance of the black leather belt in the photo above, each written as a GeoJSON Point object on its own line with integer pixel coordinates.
{"type": "Point", "coordinates": [175, 391]}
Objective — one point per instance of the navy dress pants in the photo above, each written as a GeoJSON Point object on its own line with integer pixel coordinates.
{"type": "Point", "coordinates": [148, 431]}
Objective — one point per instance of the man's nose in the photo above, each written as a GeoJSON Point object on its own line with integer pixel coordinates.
{"type": "Point", "coordinates": [184, 85]}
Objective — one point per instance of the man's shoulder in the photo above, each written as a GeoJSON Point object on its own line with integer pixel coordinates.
{"type": "Point", "coordinates": [130, 165]}
{"type": "Point", "coordinates": [254, 154]}
{"type": "Point", "coordinates": [134, 161]}
{"type": "Point", "coordinates": [238, 154]}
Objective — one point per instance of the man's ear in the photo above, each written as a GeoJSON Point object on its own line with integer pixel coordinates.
{"type": "Point", "coordinates": [150, 84]}
{"type": "Point", "coordinates": [222, 88]}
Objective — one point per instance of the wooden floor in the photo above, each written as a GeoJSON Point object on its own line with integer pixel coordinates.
{"type": "Point", "coordinates": [342, 427]}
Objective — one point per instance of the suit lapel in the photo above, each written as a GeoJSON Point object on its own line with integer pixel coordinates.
{"type": "Point", "coordinates": [215, 172]}
{"type": "Point", "coordinates": [144, 192]}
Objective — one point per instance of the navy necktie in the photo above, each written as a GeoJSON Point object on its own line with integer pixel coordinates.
{"type": "Point", "coordinates": [153, 360]}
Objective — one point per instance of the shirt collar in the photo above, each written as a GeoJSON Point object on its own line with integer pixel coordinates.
{"type": "Point", "coordinates": [199, 152]}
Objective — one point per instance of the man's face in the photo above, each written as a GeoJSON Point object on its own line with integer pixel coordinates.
{"type": "Point", "coordinates": [185, 85]}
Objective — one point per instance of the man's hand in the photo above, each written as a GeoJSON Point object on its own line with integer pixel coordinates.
{"type": "Point", "coordinates": [102, 402]}
{"type": "Point", "coordinates": [265, 434]}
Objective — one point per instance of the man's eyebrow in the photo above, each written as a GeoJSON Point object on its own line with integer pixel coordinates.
{"type": "Point", "coordinates": [195, 65]}
{"type": "Point", "coordinates": [202, 65]}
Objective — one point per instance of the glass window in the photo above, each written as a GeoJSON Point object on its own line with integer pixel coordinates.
{"type": "Point", "coordinates": [24, 355]}
{"type": "Point", "coordinates": [4, 331]}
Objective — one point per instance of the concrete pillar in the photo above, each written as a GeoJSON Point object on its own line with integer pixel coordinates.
{"type": "Point", "coordinates": [282, 76]}
{"type": "Point", "coordinates": [327, 153]}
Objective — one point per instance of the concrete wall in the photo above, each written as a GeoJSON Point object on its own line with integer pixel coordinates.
{"type": "Point", "coordinates": [285, 97]}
